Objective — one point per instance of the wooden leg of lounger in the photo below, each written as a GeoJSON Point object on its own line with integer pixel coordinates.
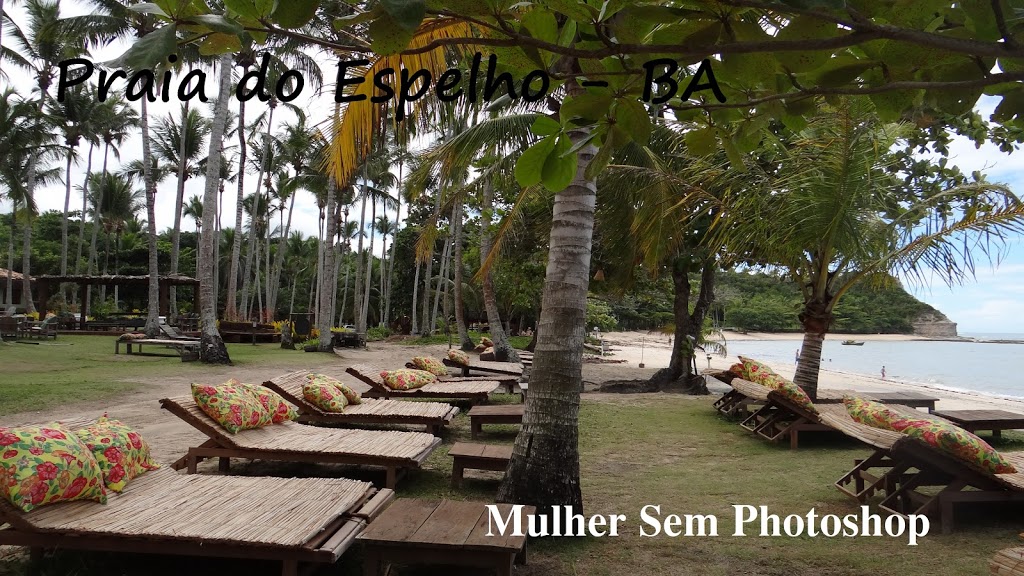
{"type": "Point", "coordinates": [522, 556]}
{"type": "Point", "coordinates": [371, 563]}
{"type": "Point", "coordinates": [794, 439]}
{"type": "Point", "coordinates": [290, 568]}
{"type": "Point", "coordinates": [475, 427]}
{"type": "Point", "coordinates": [35, 555]}
{"type": "Point", "coordinates": [457, 471]}
{"type": "Point", "coordinates": [505, 566]}
{"type": "Point", "coordinates": [224, 464]}
{"type": "Point", "coordinates": [392, 478]}
{"type": "Point", "coordinates": [191, 461]}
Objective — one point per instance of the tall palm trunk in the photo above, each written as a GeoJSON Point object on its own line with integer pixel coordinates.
{"type": "Point", "coordinates": [26, 242]}
{"type": "Point", "coordinates": [85, 208]}
{"type": "Point", "coordinates": [211, 345]}
{"type": "Point", "coordinates": [90, 267]}
{"type": "Point", "coordinates": [442, 276]}
{"type": "Point", "coordinates": [545, 465]}
{"type": "Point", "coordinates": [381, 294]}
{"type": "Point", "coordinates": [391, 259]}
{"type": "Point", "coordinates": [328, 277]}
{"type": "Point", "coordinates": [369, 269]}
{"type": "Point", "coordinates": [427, 327]}
{"type": "Point", "coordinates": [816, 317]}
{"type": "Point", "coordinates": [10, 258]}
{"type": "Point", "coordinates": [502, 349]}
{"type": "Point", "coordinates": [357, 292]}
{"type": "Point", "coordinates": [256, 205]}
{"type": "Point", "coordinates": [153, 313]}
{"type": "Point", "coordinates": [64, 221]}
{"type": "Point", "coordinates": [179, 201]}
{"type": "Point", "coordinates": [415, 291]}
{"type": "Point", "coordinates": [282, 248]}
{"type": "Point", "coordinates": [460, 314]}
{"type": "Point", "coordinates": [231, 301]}
{"type": "Point", "coordinates": [344, 296]}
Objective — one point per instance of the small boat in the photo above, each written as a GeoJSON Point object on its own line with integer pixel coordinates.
{"type": "Point", "coordinates": [853, 342]}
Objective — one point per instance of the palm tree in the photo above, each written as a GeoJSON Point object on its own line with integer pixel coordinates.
{"type": "Point", "coordinates": [837, 212]}
{"type": "Point", "coordinates": [385, 227]}
{"type": "Point", "coordinates": [194, 210]}
{"type": "Point", "coordinates": [115, 202]}
{"type": "Point", "coordinates": [14, 115]}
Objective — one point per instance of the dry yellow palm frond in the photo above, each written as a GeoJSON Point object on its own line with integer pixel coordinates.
{"type": "Point", "coordinates": [353, 133]}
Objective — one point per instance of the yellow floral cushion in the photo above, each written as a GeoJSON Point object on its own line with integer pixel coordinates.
{"type": "Point", "coordinates": [232, 407]}
{"type": "Point", "coordinates": [755, 371]}
{"type": "Point", "coordinates": [796, 395]}
{"type": "Point", "coordinates": [430, 364]}
{"type": "Point", "coordinates": [44, 464]}
{"type": "Point", "coordinates": [119, 450]}
{"type": "Point", "coordinates": [324, 396]}
{"type": "Point", "coordinates": [280, 410]}
{"type": "Point", "coordinates": [351, 396]}
{"type": "Point", "coordinates": [406, 379]}
{"type": "Point", "coordinates": [458, 356]}
{"type": "Point", "coordinates": [738, 370]}
{"type": "Point", "coordinates": [869, 412]}
{"type": "Point", "coordinates": [487, 342]}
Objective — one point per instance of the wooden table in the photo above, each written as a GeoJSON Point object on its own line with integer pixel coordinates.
{"type": "Point", "coordinates": [477, 457]}
{"type": "Point", "coordinates": [414, 531]}
{"type": "Point", "coordinates": [494, 414]}
{"type": "Point", "coordinates": [994, 420]}
{"type": "Point", "coordinates": [912, 399]}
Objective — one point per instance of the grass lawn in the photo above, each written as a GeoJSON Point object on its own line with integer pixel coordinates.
{"type": "Point", "coordinates": [636, 450]}
{"type": "Point", "coordinates": [44, 375]}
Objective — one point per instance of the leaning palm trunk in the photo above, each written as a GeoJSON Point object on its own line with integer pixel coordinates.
{"type": "Point", "coordinates": [85, 207]}
{"type": "Point", "coordinates": [460, 314]}
{"type": "Point", "coordinates": [153, 313]}
{"type": "Point", "coordinates": [369, 271]}
{"type": "Point", "coordinates": [442, 277]}
{"type": "Point", "coordinates": [545, 465]}
{"type": "Point", "coordinates": [211, 345]}
{"type": "Point", "coordinates": [328, 278]}
{"type": "Point", "coordinates": [816, 319]}
{"type": "Point", "coordinates": [255, 212]}
{"type": "Point", "coordinates": [179, 201]}
{"type": "Point", "coordinates": [502, 349]}
{"type": "Point", "coordinates": [231, 302]}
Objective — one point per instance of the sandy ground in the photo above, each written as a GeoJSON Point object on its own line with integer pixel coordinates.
{"type": "Point", "coordinates": [170, 437]}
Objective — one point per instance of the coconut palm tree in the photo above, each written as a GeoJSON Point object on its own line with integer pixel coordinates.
{"type": "Point", "coordinates": [194, 210]}
{"type": "Point", "coordinates": [14, 126]}
{"type": "Point", "coordinates": [837, 211]}
{"type": "Point", "coordinates": [114, 203]}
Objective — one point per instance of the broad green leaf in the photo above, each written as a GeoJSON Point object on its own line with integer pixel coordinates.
{"type": "Point", "coordinates": [590, 106]}
{"type": "Point", "coordinates": [805, 28]}
{"type": "Point", "coordinates": [464, 7]}
{"type": "Point", "coordinates": [567, 33]}
{"type": "Point", "coordinates": [840, 71]}
{"type": "Point", "coordinates": [731, 152]}
{"type": "Point", "coordinates": [406, 13]}
{"type": "Point", "coordinates": [219, 23]}
{"type": "Point", "coordinates": [387, 37]}
{"type": "Point", "coordinates": [150, 51]}
{"type": "Point", "coordinates": [662, 14]}
{"type": "Point", "coordinates": [559, 167]}
{"type": "Point", "coordinates": [148, 8]}
{"type": "Point", "coordinates": [891, 105]}
{"type": "Point", "coordinates": [294, 13]}
{"type": "Point", "coordinates": [701, 142]}
{"type": "Point", "coordinates": [574, 9]}
{"type": "Point", "coordinates": [541, 24]}
{"type": "Point", "coordinates": [917, 13]}
{"type": "Point", "coordinates": [604, 154]}
{"type": "Point", "coordinates": [545, 126]}
{"type": "Point", "coordinates": [220, 43]}
{"type": "Point", "coordinates": [353, 19]}
{"type": "Point", "coordinates": [255, 9]}
{"type": "Point", "coordinates": [632, 117]}
{"type": "Point", "coordinates": [529, 167]}
{"type": "Point", "coordinates": [1009, 108]}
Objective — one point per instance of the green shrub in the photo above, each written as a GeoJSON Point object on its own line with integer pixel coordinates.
{"type": "Point", "coordinates": [377, 333]}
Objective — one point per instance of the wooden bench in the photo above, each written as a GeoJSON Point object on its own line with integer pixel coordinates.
{"type": "Point", "coordinates": [975, 420]}
{"type": "Point", "coordinates": [413, 531]}
{"type": "Point", "coordinates": [494, 414]}
{"type": "Point", "coordinates": [188, 350]}
{"type": "Point", "coordinates": [477, 457]}
{"type": "Point", "coordinates": [912, 399]}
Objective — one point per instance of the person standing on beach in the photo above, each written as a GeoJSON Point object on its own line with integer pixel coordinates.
{"type": "Point", "coordinates": [883, 372]}
{"type": "Point", "coordinates": [796, 358]}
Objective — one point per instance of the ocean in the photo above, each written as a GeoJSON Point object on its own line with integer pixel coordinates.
{"type": "Point", "coordinates": [981, 367]}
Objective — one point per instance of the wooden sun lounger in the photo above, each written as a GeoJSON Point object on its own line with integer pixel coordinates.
{"type": "Point", "coordinates": [779, 418]}
{"type": "Point", "coordinates": [289, 520]}
{"type": "Point", "coordinates": [508, 382]}
{"type": "Point", "coordinates": [182, 347]}
{"type": "Point", "coordinates": [473, 390]}
{"type": "Point", "coordinates": [911, 465]}
{"type": "Point", "coordinates": [487, 368]}
{"type": "Point", "coordinates": [395, 451]}
{"type": "Point", "coordinates": [1007, 562]}
{"type": "Point", "coordinates": [433, 415]}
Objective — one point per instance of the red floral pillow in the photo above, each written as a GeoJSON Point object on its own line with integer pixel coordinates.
{"type": "Point", "coordinates": [458, 356]}
{"type": "Point", "coordinates": [406, 379]}
{"type": "Point", "coordinates": [430, 364]}
{"type": "Point", "coordinates": [280, 410]}
{"type": "Point", "coordinates": [351, 396]}
{"type": "Point", "coordinates": [119, 450]}
{"type": "Point", "coordinates": [232, 407]}
{"type": "Point", "coordinates": [796, 395]}
{"type": "Point", "coordinates": [754, 370]}
{"type": "Point", "coordinates": [44, 464]}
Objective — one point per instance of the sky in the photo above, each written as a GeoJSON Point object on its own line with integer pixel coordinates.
{"type": "Point", "coordinates": [992, 302]}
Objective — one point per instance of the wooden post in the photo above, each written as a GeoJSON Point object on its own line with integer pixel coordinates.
{"type": "Point", "coordinates": [43, 292]}
{"type": "Point", "coordinates": [83, 289]}
{"type": "Point", "coordinates": [165, 300]}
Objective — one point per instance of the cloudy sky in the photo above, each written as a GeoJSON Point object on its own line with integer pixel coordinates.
{"type": "Point", "coordinates": [992, 303]}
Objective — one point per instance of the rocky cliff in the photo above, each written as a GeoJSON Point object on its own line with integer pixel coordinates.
{"type": "Point", "coordinates": [934, 325]}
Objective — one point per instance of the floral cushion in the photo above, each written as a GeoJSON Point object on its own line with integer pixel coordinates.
{"type": "Point", "coordinates": [119, 450]}
{"type": "Point", "coordinates": [406, 379]}
{"type": "Point", "coordinates": [459, 357]}
{"type": "Point", "coordinates": [324, 396]}
{"type": "Point", "coordinates": [738, 370]}
{"type": "Point", "coordinates": [280, 410]}
{"type": "Point", "coordinates": [351, 396]}
{"type": "Point", "coordinates": [430, 364]}
{"type": "Point", "coordinates": [869, 412]}
{"type": "Point", "coordinates": [132, 336]}
{"type": "Point", "coordinates": [754, 371]}
{"type": "Point", "coordinates": [487, 342]}
{"type": "Point", "coordinates": [796, 395]}
{"type": "Point", "coordinates": [231, 406]}
{"type": "Point", "coordinates": [43, 464]}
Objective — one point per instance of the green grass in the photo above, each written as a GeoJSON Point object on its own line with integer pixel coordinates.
{"type": "Point", "coordinates": [669, 450]}
{"type": "Point", "coordinates": [44, 375]}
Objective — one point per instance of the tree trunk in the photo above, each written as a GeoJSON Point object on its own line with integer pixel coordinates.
{"type": "Point", "coordinates": [369, 271]}
{"type": "Point", "coordinates": [10, 258]}
{"type": "Point", "coordinates": [503, 351]}
{"type": "Point", "coordinates": [391, 258]}
{"type": "Point", "coordinates": [64, 221]}
{"type": "Point", "coordinates": [178, 203]}
{"type": "Point", "coordinates": [211, 346]}
{"type": "Point", "coordinates": [816, 318]}
{"type": "Point", "coordinates": [153, 312]}
{"type": "Point", "coordinates": [282, 247]}
{"type": "Point", "coordinates": [85, 208]}
{"type": "Point", "coordinates": [465, 342]}
{"type": "Point", "coordinates": [357, 292]}
{"type": "Point", "coordinates": [231, 301]}
{"type": "Point", "coordinates": [328, 277]}
{"type": "Point", "coordinates": [442, 275]}
{"type": "Point", "coordinates": [344, 296]}
{"type": "Point", "coordinates": [415, 291]}
{"type": "Point", "coordinates": [545, 466]}
{"type": "Point", "coordinates": [688, 327]}
{"type": "Point", "coordinates": [26, 260]}
{"type": "Point", "coordinates": [255, 212]}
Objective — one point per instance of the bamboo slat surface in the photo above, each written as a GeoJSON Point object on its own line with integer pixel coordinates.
{"type": "Point", "coordinates": [371, 375]}
{"type": "Point", "coordinates": [510, 368]}
{"type": "Point", "coordinates": [1008, 562]}
{"type": "Point", "coordinates": [300, 438]}
{"type": "Point", "coordinates": [268, 511]}
{"type": "Point", "coordinates": [290, 386]}
{"type": "Point", "coordinates": [750, 389]}
{"type": "Point", "coordinates": [836, 416]}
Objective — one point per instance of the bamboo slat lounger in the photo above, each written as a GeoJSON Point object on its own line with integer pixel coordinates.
{"type": "Point", "coordinates": [912, 465]}
{"type": "Point", "coordinates": [508, 382]}
{"type": "Point", "coordinates": [487, 368]}
{"type": "Point", "coordinates": [291, 442]}
{"type": "Point", "coordinates": [473, 390]}
{"type": "Point", "coordinates": [291, 520]}
{"type": "Point", "coordinates": [434, 415]}
{"type": "Point", "coordinates": [1007, 562]}
{"type": "Point", "coordinates": [779, 418]}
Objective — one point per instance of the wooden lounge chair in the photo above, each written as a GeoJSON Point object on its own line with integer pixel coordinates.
{"type": "Point", "coordinates": [474, 390]}
{"type": "Point", "coordinates": [779, 418]}
{"type": "Point", "coordinates": [506, 381]}
{"type": "Point", "coordinates": [734, 402]}
{"type": "Point", "coordinates": [434, 415]}
{"type": "Point", "coordinates": [290, 520]}
{"type": "Point", "coordinates": [186, 349]}
{"type": "Point", "coordinates": [1007, 562]}
{"type": "Point", "coordinates": [395, 451]}
{"type": "Point", "coordinates": [917, 478]}
{"type": "Point", "coordinates": [174, 334]}
{"type": "Point", "coordinates": [484, 368]}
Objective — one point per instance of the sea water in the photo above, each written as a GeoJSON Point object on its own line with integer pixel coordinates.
{"type": "Point", "coordinates": [980, 367]}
